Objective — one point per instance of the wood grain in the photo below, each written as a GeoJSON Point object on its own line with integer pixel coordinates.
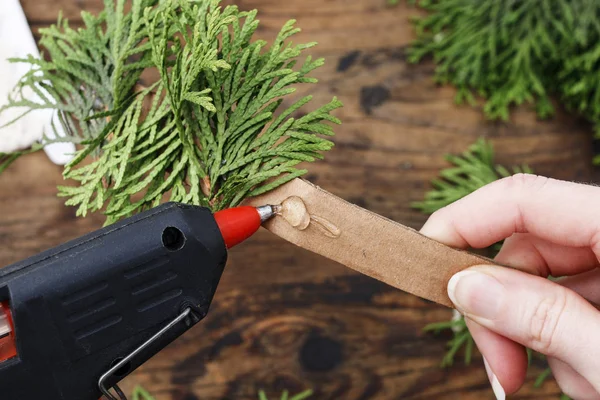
{"type": "Point", "coordinates": [286, 319]}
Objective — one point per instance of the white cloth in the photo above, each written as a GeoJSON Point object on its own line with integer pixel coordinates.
{"type": "Point", "coordinates": [16, 40]}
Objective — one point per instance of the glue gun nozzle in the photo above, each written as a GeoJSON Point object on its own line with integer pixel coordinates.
{"type": "Point", "coordinates": [239, 223]}
{"type": "Point", "coordinates": [266, 212]}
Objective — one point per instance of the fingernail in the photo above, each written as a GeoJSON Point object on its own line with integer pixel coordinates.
{"type": "Point", "coordinates": [476, 294]}
{"type": "Point", "coordinates": [456, 316]}
{"type": "Point", "coordinates": [496, 387]}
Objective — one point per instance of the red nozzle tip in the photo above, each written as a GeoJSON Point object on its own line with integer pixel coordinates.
{"type": "Point", "coordinates": [238, 224]}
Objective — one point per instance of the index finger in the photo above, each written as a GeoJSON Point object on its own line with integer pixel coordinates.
{"type": "Point", "coordinates": [564, 213]}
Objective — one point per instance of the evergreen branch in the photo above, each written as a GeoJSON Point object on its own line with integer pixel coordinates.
{"type": "Point", "coordinates": [140, 393]}
{"type": "Point", "coordinates": [211, 131]}
{"type": "Point", "coordinates": [285, 395]}
{"type": "Point", "coordinates": [6, 159]}
{"type": "Point", "coordinates": [542, 377]}
{"type": "Point", "coordinates": [470, 171]}
{"type": "Point", "coordinates": [511, 53]}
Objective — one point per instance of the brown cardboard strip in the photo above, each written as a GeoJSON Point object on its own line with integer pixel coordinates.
{"type": "Point", "coordinates": [371, 244]}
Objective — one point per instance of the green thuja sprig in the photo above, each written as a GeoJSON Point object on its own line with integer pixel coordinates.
{"type": "Point", "coordinates": [503, 49]}
{"type": "Point", "coordinates": [140, 393]}
{"type": "Point", "coordinates": [470, 171]}
{"type": "Point", "coordinates": [286, 396]}
{"type": "Point", "coordinates": [512, 53]}
{"type": "Point", "coordinates": [6, 159]}
{"type": "Point", "coordinates": [211, 130]}
{"type": "Point", "coordinates": [82, 73]}
{"type": "Point", "coordinates": [462, 339]}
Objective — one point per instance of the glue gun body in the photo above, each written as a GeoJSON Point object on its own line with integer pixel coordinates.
{"type": "Point", "coordinates": [71, 314]}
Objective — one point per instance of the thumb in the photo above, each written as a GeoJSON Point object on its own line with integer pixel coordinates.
{"type": "Point", "coordinates": [534, 312]}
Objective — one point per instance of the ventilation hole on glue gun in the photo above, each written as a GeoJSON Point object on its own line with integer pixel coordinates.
{"type": "Point", "coordinates": [173, 239]}
{"type": "Point", "coordinates": [124, 370]}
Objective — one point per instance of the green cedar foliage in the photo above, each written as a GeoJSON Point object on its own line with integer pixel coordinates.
{"type": "Point", "coordinates": [211, 130]}
{"type": "Point", "coordinates": [140, 393]}
{"type": "Point", "coordinates": [286, 396]}
{"type": "Point", "coordinates": [7, 159]}
{"type": "Point", "coordinates": [468, 172]}
{"type": "Point", "coordinates": [514, 52]}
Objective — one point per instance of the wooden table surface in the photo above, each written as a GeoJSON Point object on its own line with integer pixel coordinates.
{"type": "Point", "coordinates": [284, 318]}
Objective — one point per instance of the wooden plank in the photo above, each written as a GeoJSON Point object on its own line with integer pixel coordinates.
{"type": "Point", "coordinates": [286, 319]}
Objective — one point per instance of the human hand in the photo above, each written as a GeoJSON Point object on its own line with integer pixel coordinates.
{"type": "Point", "coordinates": [552, 228]}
